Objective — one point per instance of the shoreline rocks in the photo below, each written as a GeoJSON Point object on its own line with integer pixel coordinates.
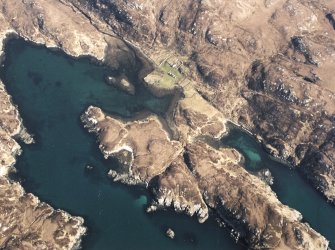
{"type": "Point", "coordinates": [265, 65]}
{"type": "Point", "coordinates": [25, 221]}
{"type": "Point", "coordinates": [177, 188]}
{"type": "Point", "coordinates": [200, 177]}
{"type": "Point", "coordinates": [136, 145]}
{"type": "Point", "coordinates": [247, 203]}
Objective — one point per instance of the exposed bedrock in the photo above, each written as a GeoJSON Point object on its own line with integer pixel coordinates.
{"type": "Point", "coordinates": [137, 145]}
{"type": "Point", "coordinates": [266, 65]}
{"type": "Point", "coordinates": [247, 203]}
{"type": "Point", "coordinates": [293, 119]}
{"type": "Point", "coordinates": [27, 223]}
{"type": "Point", "coordinates": [178, 188]}
{"type": "Point", "coordinates": [61, 25]}
{"type": "Point", "coordinates": [317, 166]}
{"type": "Point", "coordinates": [198, 177]}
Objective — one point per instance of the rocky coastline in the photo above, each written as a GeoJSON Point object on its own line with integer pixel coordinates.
{"type": "Point", "coordinates": [25, 221]}
{"type": "Point", "coordinates": [271, 77]}
{"type": "Point", "coordinates": [197, 177]}
{"type": "Point", "coordinates": [263, 65]}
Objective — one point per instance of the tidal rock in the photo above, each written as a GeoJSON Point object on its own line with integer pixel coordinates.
{"type": "Point", "coordinates": [89, 167]}
{"type": "Point", "coordinates": [265, 175]}
{"type": "Point", "coordinates": [122, 84]}
{"type": "Point", "coordinates": [170, 233]}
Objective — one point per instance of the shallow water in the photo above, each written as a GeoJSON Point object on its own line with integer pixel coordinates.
{"type": "Point", "coordinates": [289, 185]}
{"type": "Point", "coordinates": [52, 90]}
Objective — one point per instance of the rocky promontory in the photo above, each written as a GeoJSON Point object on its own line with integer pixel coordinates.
{"type": "Point", "coordinates": [247, 203]}
{"type": "Point", "coordinates": [178, 188]}
{"type": "Point", "coordinates": [197, 177]}
{"type": "Point", "coordinates": [137, 145]}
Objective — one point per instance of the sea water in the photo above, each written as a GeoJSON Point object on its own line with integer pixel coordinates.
{"type": "Point", "coordinates": [52, 90]}
{"type": "Point", "coordinates": [291, 188]}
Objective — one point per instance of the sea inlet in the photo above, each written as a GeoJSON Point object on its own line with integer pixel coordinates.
{"type": "Point", "coordinates": [52, 90]}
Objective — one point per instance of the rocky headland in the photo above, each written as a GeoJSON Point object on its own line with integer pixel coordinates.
{"type": "Point", "coordinates": [265, 65]}
{"type": "Point", "coordinates": [138, 145]}
{"type": "Point", "coordinates": [198, 177]}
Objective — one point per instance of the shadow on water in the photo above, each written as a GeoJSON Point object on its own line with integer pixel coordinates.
{"type": "Point", "coordinates": [52, 90]}
{"type": "Point", "coordinates": [289, 185]}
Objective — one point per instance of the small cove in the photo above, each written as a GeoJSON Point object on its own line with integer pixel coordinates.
{"type": "Point", "coordinates": [289, 185]}
{"type": "Point", "coordinates": [52, 90]}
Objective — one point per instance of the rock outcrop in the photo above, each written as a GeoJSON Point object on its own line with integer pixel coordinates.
{"type": "Point", "coordinates": [27, 223]}
{"type": "Point", "coordinates": [178, 188]}
{"type": "Point", "coordinates": [265, 65]}
{"type": "Point", "coordinates": [197, 178]}
{"type": "Point", "coordinates": [249, 204]}
{"type": "Point", "coordinates": [138, 145]}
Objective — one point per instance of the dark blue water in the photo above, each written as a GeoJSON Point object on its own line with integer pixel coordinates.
{"type": "Point", "coordinates": [290, 187]}
{"type": "Point", "coordinates": [52, 91]}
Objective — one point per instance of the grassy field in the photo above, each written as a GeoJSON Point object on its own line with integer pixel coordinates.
{"type": "Point", "coordinates": [167, 75]}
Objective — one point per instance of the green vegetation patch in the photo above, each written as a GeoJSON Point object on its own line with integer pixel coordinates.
{"type": "Point", "coordinates": [167, 75]}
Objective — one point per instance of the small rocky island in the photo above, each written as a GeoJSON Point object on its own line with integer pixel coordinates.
{"type": "Point", "coordinates": [264, 65]}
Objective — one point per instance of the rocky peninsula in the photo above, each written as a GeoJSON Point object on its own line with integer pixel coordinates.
{"type": "Point", "coordinates": [265, 65]}
{"type": "Point", "coordinates": [197, 177]}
